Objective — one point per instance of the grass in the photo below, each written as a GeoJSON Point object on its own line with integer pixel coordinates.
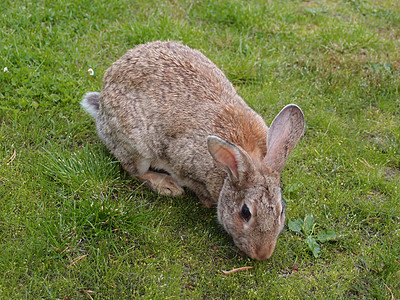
{"type": "Point", "coordinates": [73, 225]}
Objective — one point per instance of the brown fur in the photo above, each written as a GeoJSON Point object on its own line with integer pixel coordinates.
{"type": "Point", "coordinates": [247, 130]}
{"type": "Point", "coordinates": [166, 106]}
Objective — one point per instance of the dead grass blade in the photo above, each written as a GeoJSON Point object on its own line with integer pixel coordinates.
{"type": "Point", "coordinates": [76, 260]}
{"type": "Point", "coordinates": [236, 270]}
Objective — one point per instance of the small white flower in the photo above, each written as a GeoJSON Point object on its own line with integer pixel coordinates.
{"type": "Point", "coordinates": [5, 70]}
{"type": "Point", "coordinates": [91, 72]}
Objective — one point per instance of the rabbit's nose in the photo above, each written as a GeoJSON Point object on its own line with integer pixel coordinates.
{"type": "Point", "coordinates": [264, 252]}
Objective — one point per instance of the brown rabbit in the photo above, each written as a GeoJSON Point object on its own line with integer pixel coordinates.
{"type": "Point", "coordinates": [167, 107]}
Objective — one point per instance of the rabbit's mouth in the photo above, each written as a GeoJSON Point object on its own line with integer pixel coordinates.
{"type": "Point", "coordinates": [261, 251]}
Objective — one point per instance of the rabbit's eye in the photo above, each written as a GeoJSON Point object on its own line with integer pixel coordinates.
{"type": "Point", "coordinates": [245, 213]}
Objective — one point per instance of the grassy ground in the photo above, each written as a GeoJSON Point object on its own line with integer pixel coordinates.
{"type": "Point", "coordinates": [73, 225]}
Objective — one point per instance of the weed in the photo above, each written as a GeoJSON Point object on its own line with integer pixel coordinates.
{"type": "Point", "coordinates": [307, 229]}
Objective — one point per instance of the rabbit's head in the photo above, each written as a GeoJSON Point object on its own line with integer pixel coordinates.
{"type": "Point", "coordinates": [250, 206]}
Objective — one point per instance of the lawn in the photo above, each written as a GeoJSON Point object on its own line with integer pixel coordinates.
{"type": "Point", "coordinates": [74, 225]}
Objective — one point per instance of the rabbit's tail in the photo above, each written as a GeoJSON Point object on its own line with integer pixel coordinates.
{"type": "Point", "coordinates": [90, 103]}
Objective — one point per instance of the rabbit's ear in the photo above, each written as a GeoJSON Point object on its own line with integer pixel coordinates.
{"type": "Point", "coordinates": [234, 160]}
{"type": "Point", "coordinates": [283, 135]}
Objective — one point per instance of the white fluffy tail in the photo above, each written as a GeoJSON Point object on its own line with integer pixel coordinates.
{"type": "Point", "coordinates": [90, 103]}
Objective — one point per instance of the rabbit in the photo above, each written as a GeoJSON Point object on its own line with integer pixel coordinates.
{"type": "Point", "coordinates": [173, 120]}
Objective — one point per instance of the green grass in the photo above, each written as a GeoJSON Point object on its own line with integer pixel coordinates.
{"type": "Point", "coordinates": [73, 225]}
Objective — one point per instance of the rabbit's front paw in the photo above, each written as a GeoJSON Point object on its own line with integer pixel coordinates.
{"type": "Point", "coordinates": [163, 184]}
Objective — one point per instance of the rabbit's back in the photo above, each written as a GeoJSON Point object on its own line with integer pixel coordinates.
{"type": "Point", "coordinates": [166, 68]}
{"type": "Point", "coordinates": [177, 83]}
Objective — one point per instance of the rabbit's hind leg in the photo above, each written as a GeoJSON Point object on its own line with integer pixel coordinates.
{"type": "Point", "coordinates": [164, 184]}
{"type": "Point", "coordinates": [138, 166]}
